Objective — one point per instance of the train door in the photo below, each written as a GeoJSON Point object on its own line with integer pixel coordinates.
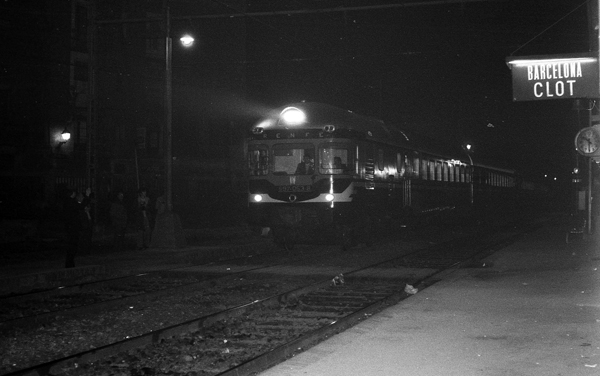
{"type": "Point", "coordinates": [365, 193]}
{"type": "Point", "coordinates": [407, 166]}
{"type": "Point", "coordinates": [369, 167]}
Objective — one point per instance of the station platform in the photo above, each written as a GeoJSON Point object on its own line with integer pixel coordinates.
{"type": "Point", "coordinates": [535, 311]}
{"type": "Point", "coordinates": [26, 268]}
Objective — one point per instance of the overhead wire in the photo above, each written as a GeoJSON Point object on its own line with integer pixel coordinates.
{"type": "Point", "coordinates": [549, 27]}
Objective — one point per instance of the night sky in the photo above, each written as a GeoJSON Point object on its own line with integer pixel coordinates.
{"type": "Point", "coordinates": [438, 69]}
{"type": "Point", "coordinates": [430, 66]}
{"type": "Point", "coordinates": [433, 67]}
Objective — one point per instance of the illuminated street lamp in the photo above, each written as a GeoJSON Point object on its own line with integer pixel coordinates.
{"type": "Point", "coordinates": [62, 138]}
{"type": "Point", "coordinates": [168, 232]}
{"type": "Point", "coordinates": [65, 135]}
{"type": "Point", "coordinates": [468, 150]}
{"type": "Point", "coordinates": [187, 40]}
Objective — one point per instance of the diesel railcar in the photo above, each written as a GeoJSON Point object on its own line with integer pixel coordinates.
{"type": "Point", "coordinates": [318, 172]}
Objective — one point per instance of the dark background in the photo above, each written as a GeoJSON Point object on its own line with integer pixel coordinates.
{"type": "Point", "coordinates": [433, 67]}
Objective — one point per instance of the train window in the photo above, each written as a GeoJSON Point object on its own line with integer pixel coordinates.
{"type": "Point", "coordinates": [380, 164]}
{"type": "Point", "coordinates": [400, 165]}
{"type": "Point", "coordinates": [424, 169]}
{"type": "Point", "coordinates": [444, 171]}
{"type": "Point", "coordinates": [290, 159]}
{"type": "Point", "coordinates": [258, 160]}
{"type": "Point", "coordinates": [438, 170]}
{"type": "Point", "coordinates": [415, 164]}
{"type": "Point", "coordinates": [431, 170]}
{"type": "Point", "coordinates": [450, 173]}
{"type": "Point", "coordinates": [408, 165]}
{"type": "Point", "coordinates": [334, 160]}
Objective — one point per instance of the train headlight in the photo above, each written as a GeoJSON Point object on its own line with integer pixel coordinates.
{"type": "Point", "coordinates": [293, 116]}
{"type": "Point", "coordinates": [329, 197]}
{"type": "Point", "coordinates": [257, 198]}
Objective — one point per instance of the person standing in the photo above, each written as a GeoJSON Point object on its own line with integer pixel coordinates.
{"type": "Point", "coordinates": [143, 219]}
{"type": "Point", "coordinates": [86, 223]}
{"type": "Point", "coordinates": [72, 228]}
{"type": "Point", "coordinates": [118, 217]}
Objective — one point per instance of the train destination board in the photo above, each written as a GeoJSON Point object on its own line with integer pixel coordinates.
{"type": "Point", "coordinates": [554, 77]}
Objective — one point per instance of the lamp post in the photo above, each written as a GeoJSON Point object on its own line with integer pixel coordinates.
{"type": "Point", "coordinates": [467, 149]}
{"type": "Point", "coordinates": [169, 112]}
{"type": "Point", "coordinates": [168, 232]}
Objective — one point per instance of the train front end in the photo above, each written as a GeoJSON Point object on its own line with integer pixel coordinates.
{"type": "Point", "coordinates": [300, 176]}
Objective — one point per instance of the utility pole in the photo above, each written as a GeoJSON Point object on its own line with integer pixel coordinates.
{"type": "Point", "coordinates": [92, 120]}
{"type": "Point", "coordinates": [168, 232]}
{"type": "Point", "coordinates": [596, 25]}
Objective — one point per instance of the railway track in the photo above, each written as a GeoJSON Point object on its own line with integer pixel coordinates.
{"type": "Point", "coordinates": [37, 308]}
{"type": "Point", "coordinates": [255, 335]}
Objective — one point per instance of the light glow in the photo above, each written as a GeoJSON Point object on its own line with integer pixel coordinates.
{"type": "Point", "coordinates": [187, 40]}
{"type": "Point", "coordinates": [258, 198]}
{"type": "Point", "coordinates": [552, 61]}
{"type": "Point", "coordinates": [329, 197]}
{"type": "Point", "coordinates": [293, 116]}
{"type": "Point", "coordinates": [264, 124]}
{"type": "Point", "coordinates": [455, 162]}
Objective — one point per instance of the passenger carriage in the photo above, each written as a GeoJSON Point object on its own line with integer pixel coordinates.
{"type": "Point", "coordinates": [317, 172]}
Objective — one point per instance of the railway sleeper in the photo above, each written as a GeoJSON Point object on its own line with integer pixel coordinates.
{"type": "Point", "coordinates": [359, 294]}
{"type": "Point", "coordinates": [337, 301]}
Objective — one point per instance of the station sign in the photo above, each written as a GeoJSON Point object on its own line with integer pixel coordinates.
{"type": "Point", "coordinates": [554, 77]}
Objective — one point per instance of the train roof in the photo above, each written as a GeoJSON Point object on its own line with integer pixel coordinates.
{"type": "Point", "coordinates": [320, 115]}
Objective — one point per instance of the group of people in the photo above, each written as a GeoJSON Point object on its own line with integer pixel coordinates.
{"type": "Point", "coordinates": [79, 222]}
{"type": "Point", "coordinates": [307, 166]}
{"type": "Point", "coordinates": [119, 216]}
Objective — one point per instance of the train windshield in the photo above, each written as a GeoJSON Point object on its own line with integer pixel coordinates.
{"type": "Point", "coordinates": [293, 159]}
{"type": "Point", "coordinates": [258, 160]}
{"type": "Point", "coordinates": [334, 160]}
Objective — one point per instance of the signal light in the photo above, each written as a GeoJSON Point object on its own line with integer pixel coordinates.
{"type": "Point", "coordinates": [258, 198]}
{"type": "Point", "coordinates": [329, 197]}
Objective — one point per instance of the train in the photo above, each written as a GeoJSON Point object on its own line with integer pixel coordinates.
{"type": "Point", "coordinates": [319, 172]}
